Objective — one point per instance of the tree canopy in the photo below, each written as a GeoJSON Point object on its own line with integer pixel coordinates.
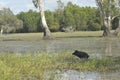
{"type": "Point", "coordinates": [9, 22]}
{"type": "Point", "coordinates": [70, 17]}
{"type": "Point", "coordinates": [110, 9]}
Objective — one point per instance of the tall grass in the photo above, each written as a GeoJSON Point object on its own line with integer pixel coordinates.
{"type": "Point", "coordinates": [14, 67]}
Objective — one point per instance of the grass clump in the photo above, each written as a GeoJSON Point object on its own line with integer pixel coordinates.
{"type": "Point", "coordinates": [14, 67]}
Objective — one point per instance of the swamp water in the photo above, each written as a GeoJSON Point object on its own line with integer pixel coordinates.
{"type": "Point", "coordinates": [96, 47]}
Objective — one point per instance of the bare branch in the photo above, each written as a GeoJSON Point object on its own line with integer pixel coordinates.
{"type": "Point", "coordinates": [35, 2]}
{"type": "Point", "coordinates": [115, 17]}
{"type": "Point", "coordinates": [100, 5]}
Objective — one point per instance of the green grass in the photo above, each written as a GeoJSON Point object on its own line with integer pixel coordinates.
{"type": "Point", "coordinates": [78, 34]}
{"type": "Point", "coordinates": [38, 36]}
{"type": "Point", "coordinates": [14, 67]}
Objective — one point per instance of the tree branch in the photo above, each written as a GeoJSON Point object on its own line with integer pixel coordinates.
{"type": "Point", "coordinates": [115, 17]}
{"type": "Point", "coordinates": [100, 5]}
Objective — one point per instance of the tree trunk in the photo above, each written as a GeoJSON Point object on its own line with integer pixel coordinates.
{"type": "Point", "coordinates": [47, 33]}
{"type": "Point", "coordinates": [107, 21]}
{"type": "Point", "coordinates": [106, 17]}
{"type": "Point", "coordinates": [106, 26]}
{"type": "Point", "coordinates": [118, 29]}
{"type": "Point", "coordinates": [1, 31]}
{"type": "Point", "coordinates": [108, 48]}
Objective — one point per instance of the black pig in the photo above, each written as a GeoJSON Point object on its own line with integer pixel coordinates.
{"type": "Point", "coordinates": [80, 54]}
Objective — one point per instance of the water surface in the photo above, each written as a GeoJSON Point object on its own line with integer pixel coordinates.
{"type": "Point", "coordinates": [93, 45]}
{"type": "Point", "coordinates": [76, 75]}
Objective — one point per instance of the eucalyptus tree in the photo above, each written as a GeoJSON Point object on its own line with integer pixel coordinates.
{"type": "Point", "coordinates": [109, 10]}
{"type": "Point", "coordinates": [47, 33]}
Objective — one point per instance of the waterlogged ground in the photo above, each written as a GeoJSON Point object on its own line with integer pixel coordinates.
{"type": "Point", "coordinates": [94, 46]}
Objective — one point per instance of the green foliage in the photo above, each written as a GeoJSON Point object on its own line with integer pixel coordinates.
{"type": "Point", "coordinates": [111, 7]}
{"type": "Point", "coordinates": [9, 22]}
{"type": "Point", "coordinates": [94, 27]}
{"type": "Point", "coordinates": [54, 27]}
{"type": "Point", "coordinates": [31, 20]}
{"type": "Point", "coordinates": [78, 17]}
{"type": "Point", "coordinates": [71, 16]}
{"type": "Point", "coordinates": [52, 21]}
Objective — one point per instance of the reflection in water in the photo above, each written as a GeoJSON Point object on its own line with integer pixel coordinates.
{"type": "Point", "coordinates": [108, 49]}
{"type": "Point", "coordinates": [111, 47]}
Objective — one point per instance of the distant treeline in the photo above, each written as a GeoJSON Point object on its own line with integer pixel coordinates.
{"type": "Point", "coordinates": [70, 18]}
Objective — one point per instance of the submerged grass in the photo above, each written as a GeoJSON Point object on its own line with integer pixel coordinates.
{"type": "Point", "coordinates": [14, 67]}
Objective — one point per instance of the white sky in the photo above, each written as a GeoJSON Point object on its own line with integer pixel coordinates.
{"type": "Point", "coordinates": [24, 5]}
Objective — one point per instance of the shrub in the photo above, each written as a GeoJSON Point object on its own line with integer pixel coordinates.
{"type": "Point", "coordinates": [94, 27]}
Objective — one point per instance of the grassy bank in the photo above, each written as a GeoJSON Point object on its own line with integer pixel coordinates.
{"type": "Point", "coordinates": [38, 36]}
{"type": "Point", "coordinates": [14, 67]}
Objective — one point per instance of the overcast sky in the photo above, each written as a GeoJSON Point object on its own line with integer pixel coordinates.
{"type": "Point", "coordinates": [24, 5]}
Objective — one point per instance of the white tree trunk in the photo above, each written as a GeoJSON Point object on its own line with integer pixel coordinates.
{"type": "Point", "coordinates": [47, 33]}
{"type": "Point", "coordinates": [106, 25]}
{"type": "Point", "coordinates": [106, 17]}
{"type": "Point", "coordinates": [1, 31]}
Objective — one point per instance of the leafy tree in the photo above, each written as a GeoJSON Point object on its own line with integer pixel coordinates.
{"type": "Point", "coordinates": [68, 21]}
{"type": "Point", "coordinates": [93, 26]}
{"type": "Point", "coordinates": [69, 18]}
{"type": "Point", "coordinates": [65, 18]}
{"type": "Point", "coordinates": [78, 17]}
{"type": "Point", "coordinates": [30, 21]}
{"type": "Point", "coordinates": [108, 10]}
{"type": "Point", "coordinates": [59, 13]}
{"type": "Point", "coordinates": [94, 23]}
{"type": "Point", "coordinates": [52, 22]}
{"type": "Point", "coordinates": [9, 22]}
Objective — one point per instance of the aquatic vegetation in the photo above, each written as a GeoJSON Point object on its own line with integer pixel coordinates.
{"type": "Point", "coordinates": [14, 67]}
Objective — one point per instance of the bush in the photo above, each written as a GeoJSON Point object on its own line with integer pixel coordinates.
{"type": "Point", "coordinates": [94, 27]}
{"type": "Point", "coordinates": [54, 27]}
